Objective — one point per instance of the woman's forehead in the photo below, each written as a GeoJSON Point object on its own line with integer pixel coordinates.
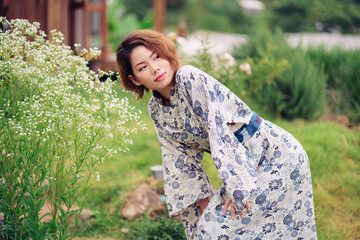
{"type": "Point", "coordinates": [140, 53]}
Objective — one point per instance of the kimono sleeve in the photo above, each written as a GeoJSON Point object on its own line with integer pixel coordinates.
{"type": "Point", "coordinates": [185, 179]}
{"type": "Point", "coordinates": [216, 106]}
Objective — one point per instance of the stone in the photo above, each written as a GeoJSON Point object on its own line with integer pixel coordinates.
{"type": "Point", "coordinates": [143, 198]}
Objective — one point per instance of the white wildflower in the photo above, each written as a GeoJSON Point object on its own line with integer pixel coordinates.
{"type": "Point", "coordinates": [97, 176]}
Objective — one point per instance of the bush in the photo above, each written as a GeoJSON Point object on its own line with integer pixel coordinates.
{"type": "Point", "coordinates": [245, 77]}
{"type": "Point", "coordinates": [54, 112]}
{"type": "Point", "coordinates": [343, 84]}
{"type": "Point", "coordinates": [296, 92]}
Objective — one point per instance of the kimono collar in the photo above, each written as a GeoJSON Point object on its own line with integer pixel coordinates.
{"type": "Point", "coordinates": [159, 98]}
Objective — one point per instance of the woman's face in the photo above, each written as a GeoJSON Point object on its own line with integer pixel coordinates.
{"type": "Point", "coordinates": [151, 70]}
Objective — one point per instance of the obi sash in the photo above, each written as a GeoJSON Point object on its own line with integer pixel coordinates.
{"type": "Point", "coordinates": [248, 130]}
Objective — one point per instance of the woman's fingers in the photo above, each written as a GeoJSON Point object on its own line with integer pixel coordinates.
{"type": "Point", "coordinates": [226, 205]}
{"type": "Point", "coordinates": [233, 210]}
{"type": "Point", "coordinates": [247, 205]}
{"type": "Point", "coordinates": [242, 214]}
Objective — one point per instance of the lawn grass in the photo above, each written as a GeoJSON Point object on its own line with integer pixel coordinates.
{"type": "Point", "coordinates": [334, 155]}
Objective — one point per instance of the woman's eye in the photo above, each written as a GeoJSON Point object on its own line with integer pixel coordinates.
{"type": "Point", "coordinates": [142, 68]}
{"type": "Point", "coordinates": [157, 56]}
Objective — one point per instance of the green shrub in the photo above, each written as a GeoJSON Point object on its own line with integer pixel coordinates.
{"type": "Point", "coordinates": [245, 77]}
{"type": "Point", "coordinates": [298, 90]}
{"type": "Point", "coordinates": [54, 112]}
{"type": "Point", "coordinates": [343, 84]}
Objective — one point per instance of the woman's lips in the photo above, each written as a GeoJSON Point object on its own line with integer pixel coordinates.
{"type": "Point", "coordinates": [160, 77]}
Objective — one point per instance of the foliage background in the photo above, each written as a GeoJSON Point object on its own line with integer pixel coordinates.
{"type": "Point", "coordinates": [228, 16]}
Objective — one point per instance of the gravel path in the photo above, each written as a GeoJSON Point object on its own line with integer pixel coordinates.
{"type": "Point", "coordinates": [223, 42]}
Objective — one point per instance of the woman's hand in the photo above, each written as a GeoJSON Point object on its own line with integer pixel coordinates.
{"type": "Point", "coordinates": [203, 203]}
{"type": "Point", "coordinates": [230, 203]}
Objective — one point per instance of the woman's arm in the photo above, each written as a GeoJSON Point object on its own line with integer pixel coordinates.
{"type": "Point", "coordinates": [229, 203]}
{"type": "Point", "coordinates": [215, 106]}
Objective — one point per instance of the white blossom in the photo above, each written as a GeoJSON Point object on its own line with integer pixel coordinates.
{"type": "Point", "coordinates": [63, 102]}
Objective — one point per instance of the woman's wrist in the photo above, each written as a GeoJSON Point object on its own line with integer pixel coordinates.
{"type": "Point", "coordinates": [203, 203]}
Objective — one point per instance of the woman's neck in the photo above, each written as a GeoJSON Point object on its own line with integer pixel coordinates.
{"type": "Point", "coordinates": [165, 93]}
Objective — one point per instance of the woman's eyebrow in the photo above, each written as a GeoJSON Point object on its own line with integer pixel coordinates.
{"type": "Point", "coordinates": [143, 61]}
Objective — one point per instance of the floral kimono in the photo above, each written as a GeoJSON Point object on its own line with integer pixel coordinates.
{"type": "Point", "coordinates": [256, 160]}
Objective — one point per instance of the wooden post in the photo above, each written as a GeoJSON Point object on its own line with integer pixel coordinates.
{"type": "Point", "coordinates": [54, 15]}
{"type": "Point", "coordinates": [86, 19]}
{"type": "Point", "coordinates": [159, 14]}
{"type": "Point", "coordinates": [104, 28]}
{"type": "Point", "coordinates": [57, 16]}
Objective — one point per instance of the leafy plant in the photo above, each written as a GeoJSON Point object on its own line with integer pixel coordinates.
{"type": "Point", "coordinates": [246, 77]}
{"type": "Point", "coordinates": [343, 85]}
{"type": "Point", "coordinates": [296, 92]}
{"type": "Point", "coordinates": [54, 113]}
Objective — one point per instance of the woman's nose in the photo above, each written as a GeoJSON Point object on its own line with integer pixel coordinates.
{"type": "Point", "coordinates": [155, 68]}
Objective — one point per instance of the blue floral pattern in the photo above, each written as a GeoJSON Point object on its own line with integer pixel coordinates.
{"type": "Point", "coordinates": [256, 160]}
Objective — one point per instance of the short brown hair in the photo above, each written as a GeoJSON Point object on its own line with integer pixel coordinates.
{"type": "Point", "coordinates": [152, 40]}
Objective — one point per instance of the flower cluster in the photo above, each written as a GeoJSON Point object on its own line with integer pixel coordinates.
{"type": "Point", "coordinates": [53, 92]}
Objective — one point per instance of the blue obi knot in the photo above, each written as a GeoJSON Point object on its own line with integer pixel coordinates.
{"type": "Point", "coordinates": [248, 130]}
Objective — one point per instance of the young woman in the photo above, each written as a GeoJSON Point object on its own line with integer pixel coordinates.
{"type": "Point", "coordinates": [266, 191]}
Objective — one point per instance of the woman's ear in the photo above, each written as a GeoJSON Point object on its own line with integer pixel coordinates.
{"type": "Point", "coordinates": [134, 80]}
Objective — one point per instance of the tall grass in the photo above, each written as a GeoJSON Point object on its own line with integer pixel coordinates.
{"type": "Point", "coordinates": [343, 85]}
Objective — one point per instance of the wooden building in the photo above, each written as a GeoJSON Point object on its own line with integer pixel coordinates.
{"type": "Point", "coordinates": [81, 21]}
